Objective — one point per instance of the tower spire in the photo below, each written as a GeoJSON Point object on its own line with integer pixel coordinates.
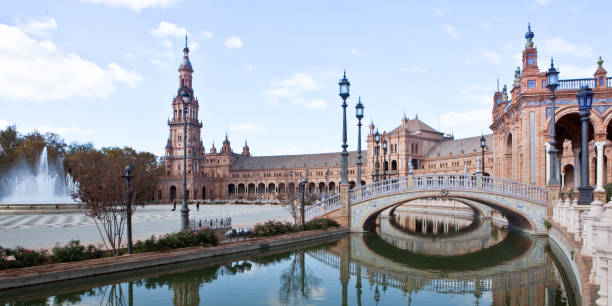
{"type": "Point", "coordinates": [529, 36]}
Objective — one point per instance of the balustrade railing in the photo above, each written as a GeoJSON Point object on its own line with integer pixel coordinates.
{"type": "Point", "coordinates": [435, 181]}
{"type": "Point", "coordinates": [322, 207]}
{"type": "Point", "coordinates": [575, 84]}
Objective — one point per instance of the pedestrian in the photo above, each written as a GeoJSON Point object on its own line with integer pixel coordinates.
{"type": "Point", "coordinates": [174, 205]}
{"type": "Point", "coordinates": [198, 205]}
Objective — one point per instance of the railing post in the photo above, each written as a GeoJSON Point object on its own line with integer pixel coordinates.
{"type": "Point", "coordinates": [345, 205]}
{"type": "Point", "coordinates": [479, 181]}
{"type": "Point", "coordinates": [410, 182]}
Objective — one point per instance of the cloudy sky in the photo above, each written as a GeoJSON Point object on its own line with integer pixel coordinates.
{"type": "Point", "coordinates": [105, 71]}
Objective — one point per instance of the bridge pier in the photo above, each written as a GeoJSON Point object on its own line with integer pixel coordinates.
{"type": "Point", "coordinates": [345, 207]}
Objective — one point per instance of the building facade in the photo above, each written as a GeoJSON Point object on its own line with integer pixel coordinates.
{"type": "Point", "coordinates": [521, 125]}
{"type": "Point", "coordinates": [517, 148]}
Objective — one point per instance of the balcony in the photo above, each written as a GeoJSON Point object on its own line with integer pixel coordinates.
{"type": "Point", "coordinates": [575, 84]}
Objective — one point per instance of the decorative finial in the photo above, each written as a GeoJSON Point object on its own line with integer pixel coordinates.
{"type": "Point", "coordinates": [529, 36]}
{"type": "Point", "coordinates": [600, 62]}
{"type": "Point", "coordinates": [552, 63]}
{"type": "Point", "coordinates": [345, 73]}
{"type": "Point", "coordinates": [185, 40]}
{"type": "Point", "coordinates": [417, 116]}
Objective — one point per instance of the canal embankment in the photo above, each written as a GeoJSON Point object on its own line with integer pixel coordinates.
{"type": "Point", "coordinates": [37, 275]}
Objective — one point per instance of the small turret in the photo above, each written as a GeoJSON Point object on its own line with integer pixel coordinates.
{"type": "Point", "coordinates": [372, 127]}
{"type": "Point", "coordinates": [529, 37]}
{"type": "Point", "coordinates": [504, 94]}
{"type": "Point", "coordinates": [245, 149]}
{"type": "Point", "coordinates": [404, 121]}
{"type": "Point", "coordinates": [226, 148]}
{"type": "Point", "coordinates": [601, 74]}
{"type": "Point", "coordinates": [213, 150]}
{"type": "Point", "coordinates": [517, 77]}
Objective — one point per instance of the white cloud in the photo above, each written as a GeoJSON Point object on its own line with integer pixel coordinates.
{"type": "Point", "coordinates": [477, 94]}
{"type": "Point", "coordinates": [493, 57]}
{"type": "Point", "coordinates": [168, 29]}
{"type": "Point", "coordinates": [466, 124]}
{"type": "Point", "coordinates": [573, 72]}
{"type": "Point", "coordinates": [442, 11]}
{"type": "Point", "coordinates": [40, 27]}
{"type": "Point", "coordinates": [207, 34]}
{"type": "Point", "coordinates": [491, 21]}
{"type": "Point", "coordinates": [246, 128]}
{"type": "Point", "coordinates": [311, 104]}
{"type": "Point", "coordinates": [135, 5]}
{"type": "Point", "coordinates": [450, 30]}
{"type": "Point", "coordinates": [4, 124]}
{"type": "Point", "coordinates": [543, 2]}
{"type": "Point", "coordinates": [58, 75]}
{"type": "Point", "coordinates": [73, 131]}
{"type": "Point", "coordinates": [233, 42]}
{"type": "Point", "coordinates": [561, 46]}
{"type": "Point", "coordinates": [250, 67]}
{"type": "Point", "coordinates": [355, 52]}
{"type": "Point", "coordinates": [300, 81]}
{"type": "Point", "coordinates": [160, 63]}
{"type": "Point", "coordinates": [293, 89]}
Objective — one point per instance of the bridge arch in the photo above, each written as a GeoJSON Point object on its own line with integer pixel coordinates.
{"type": "Point", "coordinates": [525, 206]}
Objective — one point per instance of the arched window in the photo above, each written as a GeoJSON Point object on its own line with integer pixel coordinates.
{"type": "Point", "coordinates": [393, 165]}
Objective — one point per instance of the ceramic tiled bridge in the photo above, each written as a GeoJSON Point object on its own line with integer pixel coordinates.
{"type": "Point", "coordinates": [525, 206]}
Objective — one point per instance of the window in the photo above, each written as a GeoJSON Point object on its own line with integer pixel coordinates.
{"type": "Point", "coordinates": [601, 81]}
{"type": "Point", "coordinates": [530, 60]}
{"type": "Point", "coordinates": [543, 84]}
{"type": "Point", "coordinates": [531, 84]}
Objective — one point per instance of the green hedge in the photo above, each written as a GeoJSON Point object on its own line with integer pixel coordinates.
{"type": "Point", "coordinates": [273, 228]}
{"type": "Point", "coordinates": [74, 251]}
{"type": "Point", "coordinates": [202, 237]}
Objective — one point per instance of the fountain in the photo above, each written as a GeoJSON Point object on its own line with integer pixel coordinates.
{"type": "Point", "coordinates": [44, 184]}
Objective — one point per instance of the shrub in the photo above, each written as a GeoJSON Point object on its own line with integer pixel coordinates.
{"type": "Point", "coordinates": [201, 237]}
{"type": "Point", "coordinates": [74, 251]}
{"type": "Point", "coordinates": [272, 228]}
{"type": "Point", "coordinates": [547, 224]}
{"type": "Point", "coordinates": [21, 258]}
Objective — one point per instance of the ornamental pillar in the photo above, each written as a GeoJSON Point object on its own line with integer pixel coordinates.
{"type": "Point", "coordinates": [599, 146]}
{"type": "Point", "coordinates": [547, 145]}
{"type": "Point", "coordinates": [576, 167]}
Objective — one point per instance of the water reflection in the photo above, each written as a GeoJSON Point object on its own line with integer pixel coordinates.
{"type": "Point", "coordinates": [354, 270]}
{"type": "Point", "coordinates": [440, 235]}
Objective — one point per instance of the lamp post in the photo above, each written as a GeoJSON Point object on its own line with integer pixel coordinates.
{"type": "Point", "coordinates": [585, 100]}
{"type": "Point", "coordinates": [359, 114]}
{"type": "Point", "coordinates": [483, 145]}
{"type": "Point", "coordinates": [385, 165]}
{"type": "Point", "coordinates": [184, 208]}
{"type": "Point", "coordinates": [128, 176]}
{"type": "Point", "coordinates": [552, 82]}
{"type": "Point", "coordinates": [326, 182]}
{"type": "Point", "coordinates": [344, 94]}
{"type": "Point", "coordinates": [377, 153]}
{"type": "Point", "coordinates": [303, 202]}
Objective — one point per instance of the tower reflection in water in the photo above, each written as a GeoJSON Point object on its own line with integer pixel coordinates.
{"type": "Point", "coordinates": [412, 258]}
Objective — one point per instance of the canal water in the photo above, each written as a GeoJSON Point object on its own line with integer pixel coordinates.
{"type": "Point", "coordinates": [411, 258]}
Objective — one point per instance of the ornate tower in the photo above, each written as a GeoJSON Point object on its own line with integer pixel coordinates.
{"type": "Point", "coordinates": [185, 107]}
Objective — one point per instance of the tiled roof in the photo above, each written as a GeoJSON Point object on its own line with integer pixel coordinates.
{"type": "Point", "coordinates": [459, 146]}
{"type": "Point", "coordinates": [320, 160]}
{"type": "Point", "coordinates": [416, 125]}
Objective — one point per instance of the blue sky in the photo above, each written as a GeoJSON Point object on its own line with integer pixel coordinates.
{"type": "Point", "coordinates": [105, 71]}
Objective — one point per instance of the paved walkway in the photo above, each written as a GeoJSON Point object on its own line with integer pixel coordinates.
{"type": "Point", "coordinates": [44, 230]}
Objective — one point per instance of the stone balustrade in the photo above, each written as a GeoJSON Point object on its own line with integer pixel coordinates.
{"type": "Point", "coordinates": [591, 228]}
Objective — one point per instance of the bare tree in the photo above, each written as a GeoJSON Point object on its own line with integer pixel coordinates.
{"type": "Point", "coordinates": [101, 187]}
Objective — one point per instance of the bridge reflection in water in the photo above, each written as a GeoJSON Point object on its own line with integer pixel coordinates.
{"type": "Point", "coordinates": [466, 255]}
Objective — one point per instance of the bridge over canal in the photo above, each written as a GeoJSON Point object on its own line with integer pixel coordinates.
{"type": "Point", "coordinates": [524, 206]}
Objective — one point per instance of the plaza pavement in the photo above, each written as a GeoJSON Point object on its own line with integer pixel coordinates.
{"type": "Point", "coordinates": [45, 230]}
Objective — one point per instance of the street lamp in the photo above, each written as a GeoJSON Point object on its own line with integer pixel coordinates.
{"type": "Point", "coordinates": [377, 153]}
{"type": "Point", "coordinates": [359, 114]}
{"type": "Point", "coordinates": [585, 100]}
{"type": "Point", "coordinates": [483, 145]}
{"type": "Point", "coordinates": [344, 94]}
{"type": "Point", "coordinates": [303, 202]}
{"type": "Point", "coordinates": [128, 176]}
{"type": "Point", "coordinates": [184, 208]}
{"type": "Point", "coordinates": [326, 182]}
{"type": "Point", "coordinates": [552, 82]}
{"type": "Point", "coordinates": [385, 165]}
